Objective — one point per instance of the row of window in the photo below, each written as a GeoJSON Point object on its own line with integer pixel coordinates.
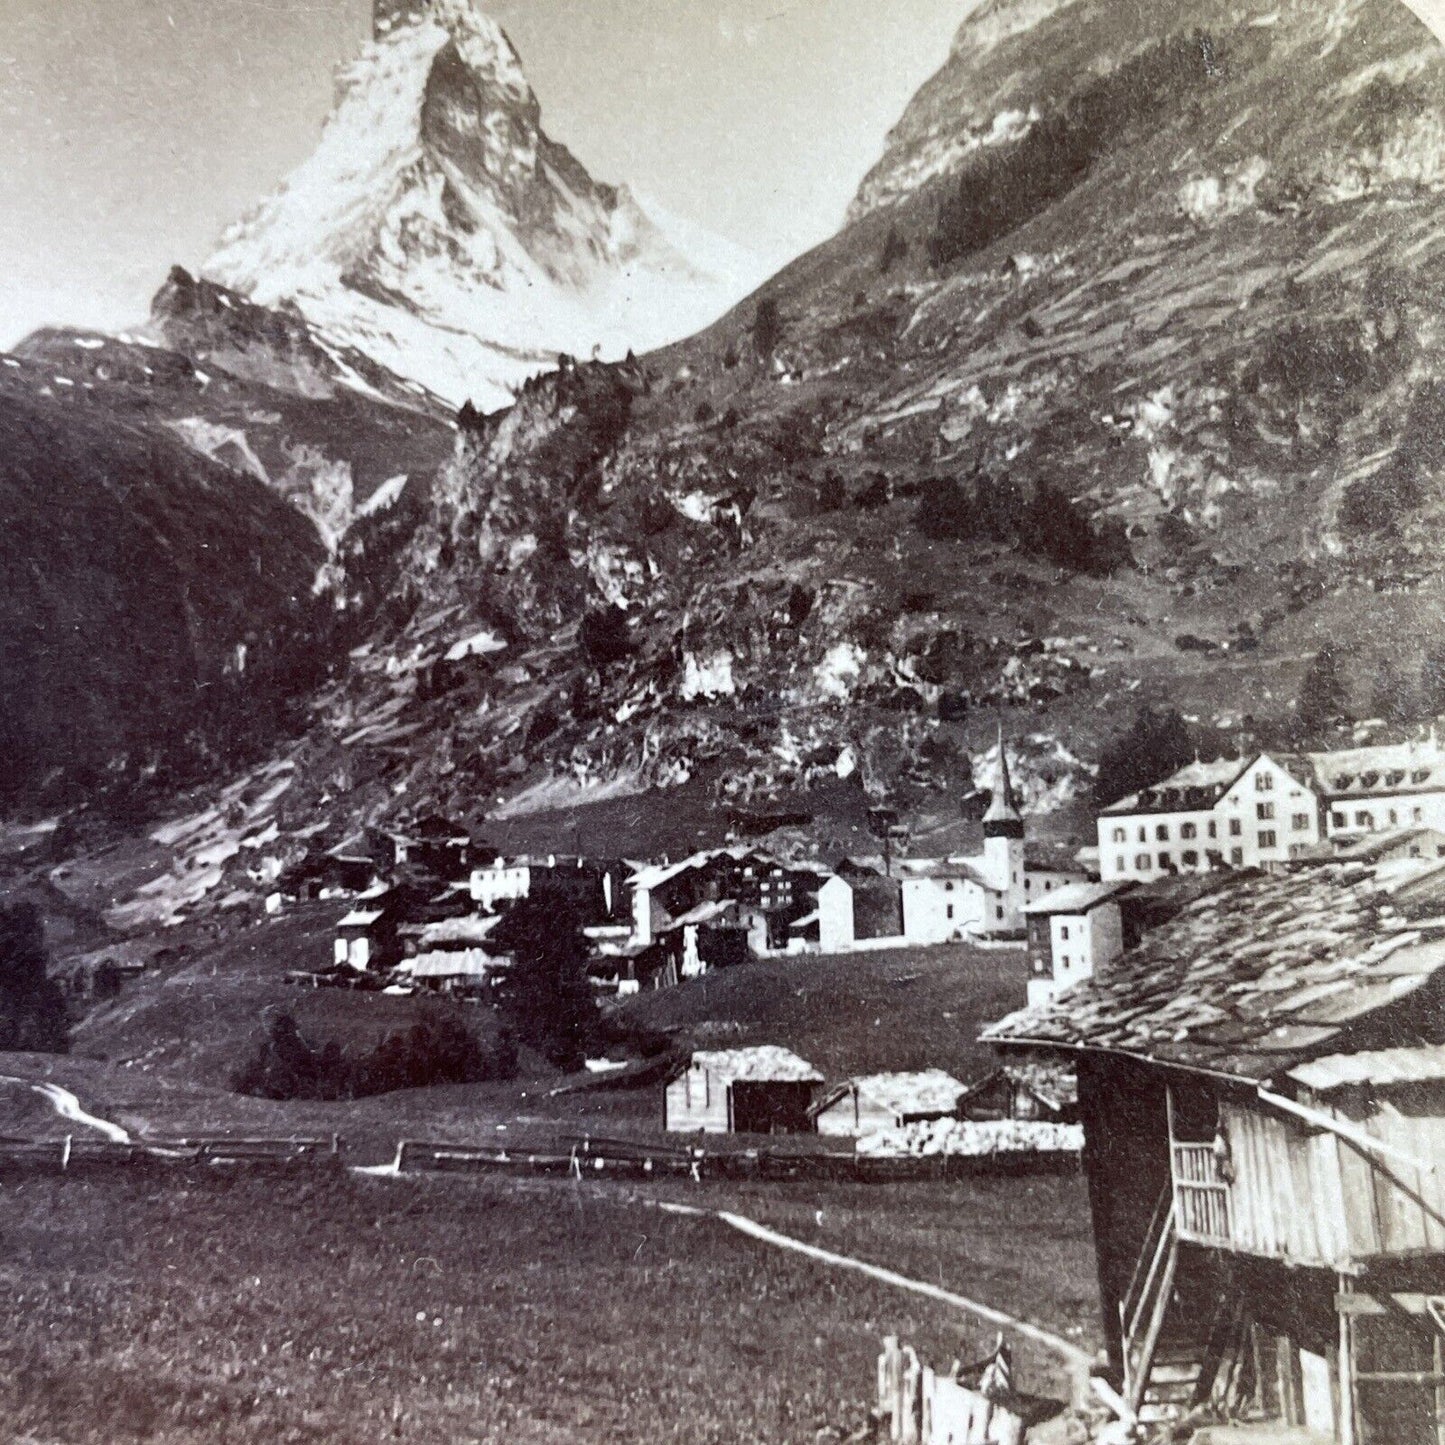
{"type": "Point", "coordinates": [1264, 813]}
{"type": "Point", "coordinates": [1144, 862]}
{"type": "Point", "coordinates": [1366, 820]}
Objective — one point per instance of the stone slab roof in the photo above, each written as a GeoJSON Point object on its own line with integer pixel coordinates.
{"type": "Point", "coordinates": [1251, 979]}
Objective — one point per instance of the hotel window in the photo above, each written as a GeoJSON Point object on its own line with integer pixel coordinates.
{"type": "Point", "coordinates": [1162, 832]}
{"type": "Point", "coordinates": [1236, 828]}
{"type": "Point", "coordinates": [1065, 960]}
{"type": "Point", "coordinates": [1394, 818]}
{"type": "Point", "coordinates": [1120, 836]}
{"type": "Point", "coordinates": [1264, 812]}
{"type": "Point", "coordinates": [1164, 860]}
{"type": "Point", "coordinates": [1214, 830]}
{"type": "Point", "coordinates": [1142, 863]}
{"type": "Point", "coordinates": [1064, 932]}
{"type": "Point", "coordinates": [950, 910]}
{"type": "Point", "coordinates": [1364, 820]}
{"type": "Point", "coordinates": [1143, 835]}
{"type": "Point", "coordinates": [1300, 822]}
{"type": "Point", "coordinates": [1191, 859]}
{"type": "Point", "coordinates": [1264, 782]}
{"type": "Point", "coordinates": [1417, 815]}
{"type": "Point", "coordinates": [1236, 857]}
{"type": "Point", "coordinates": [1121, 864]}
{"type": "Point", "coordinates": [1267, 838]}
{"type": "Point", "coordinates": [1189, 831]}
{"type": "Point", "coordinates": [1339, 820]}
{"type": "Point", "coordinates": [998, 912]}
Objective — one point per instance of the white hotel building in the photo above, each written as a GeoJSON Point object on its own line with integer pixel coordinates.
{"type": "Point", "coordinates": [1265, 810]}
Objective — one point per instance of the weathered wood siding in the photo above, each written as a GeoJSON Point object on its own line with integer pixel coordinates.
{"type": "Point", "coordinates": [1311, 1197]}
{"type": "Point", "coordinates": [1286, 1200]}
{"type": "Point", "coordinates": [695, 1102]}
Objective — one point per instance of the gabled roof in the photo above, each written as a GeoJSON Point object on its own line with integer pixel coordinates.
{"type": "Point", "coordinates": [459, 930]}
{"type": "Point", "coordinates": [909, 1095]}
{"type": "Point", "coordinates": [1212, 780]}
{"type": "Point", "coordinates": [468, 963]}
{"type": "Point", "coordinates": [1417, 766]}
{"type": "Point", "coordinates": [960, 869]}
{"type": "Point", "coordinates": [1079, 897]}
{"type": "Point", "coordinates": [360, 918]}
{"type": "Point", "coordinates": [767, 1063]}
{"type": "Point", "coordinates": [704, 913]}
{"type": "Point", "coordinates": [1250, 979]}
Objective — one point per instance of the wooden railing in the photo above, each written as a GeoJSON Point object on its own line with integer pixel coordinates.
{"type": "Point", "coordinates": [1201, 1195]}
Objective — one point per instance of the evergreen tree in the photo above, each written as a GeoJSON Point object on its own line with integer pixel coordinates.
{"type": "Point", "coordinates": [1323, 696]}
{"type": "Point", "coordinates": [32, 1005]}
{"type": "Point", "coordinates": [545, 997]}
{"type": "Point", "coordinates": [767, 327]}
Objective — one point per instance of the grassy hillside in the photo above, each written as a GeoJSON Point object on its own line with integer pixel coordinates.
{"type": "Point", "coordinates": [333, 1309]}
{"type": "Point", "coordinates": [909, 1009]}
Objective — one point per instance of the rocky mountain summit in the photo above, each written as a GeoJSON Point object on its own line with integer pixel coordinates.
{"type": "Point", "coordinates": [438, 229]}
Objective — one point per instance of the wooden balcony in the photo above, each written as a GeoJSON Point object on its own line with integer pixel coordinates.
{"type": "Point", "coordinates": [1201, 1196]}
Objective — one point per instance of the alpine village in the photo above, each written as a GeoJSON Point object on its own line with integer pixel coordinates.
{"type": "Point", "coordinates": [599, 847]}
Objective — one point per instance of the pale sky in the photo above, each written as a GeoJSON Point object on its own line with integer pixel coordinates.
{"type": "Point", "coordinates": [132, 131]}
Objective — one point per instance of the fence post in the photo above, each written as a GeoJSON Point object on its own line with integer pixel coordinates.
{"type": "Point", "coordinates": [912, 1399]}
{"type": "Point", "coordinates": [65, 1154]}
{"type": "Point", "coordinates": [889, 1367]}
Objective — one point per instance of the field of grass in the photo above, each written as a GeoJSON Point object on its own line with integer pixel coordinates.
{"type": "Point", "coordinates": [308, 1308]}
{"type": "Point", "coordinates": [903, 1009]}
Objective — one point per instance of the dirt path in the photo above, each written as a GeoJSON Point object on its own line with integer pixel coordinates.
{"type": "Point", "coordinates": [69, 1107]}
{"type": "Point", "coordinates": [1079, 1363]}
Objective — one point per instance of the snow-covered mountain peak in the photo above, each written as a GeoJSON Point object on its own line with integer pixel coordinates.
{"type": "Point", "coordinates": [439, 229]}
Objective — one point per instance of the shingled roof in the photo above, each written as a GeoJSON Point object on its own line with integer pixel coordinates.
{"type": "Point", "coordinates": [1251, 979]}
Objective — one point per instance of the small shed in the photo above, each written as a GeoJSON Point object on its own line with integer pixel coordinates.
{"type": "Point", "coordinates": [887, 1101]}
{"type": "Point", "coordinates": [763, 1090]}
{"type": "Point", "coordinates": [1045, 1092]}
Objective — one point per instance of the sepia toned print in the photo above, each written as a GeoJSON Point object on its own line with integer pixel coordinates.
{"type": "Point", "coordinates": [722, 722]}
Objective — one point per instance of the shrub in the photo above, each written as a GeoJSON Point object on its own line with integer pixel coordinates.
{"type": "Point", "coordinates": [605, 637]}
{"type": "Point", "coordinates": [1323, 696]}
{"type": "Point", "coordinates": [545, 995]}
{"type": "Point", "coordinates": [705, 413]}
{"type": "Point", "coordinates": [433, 1051]}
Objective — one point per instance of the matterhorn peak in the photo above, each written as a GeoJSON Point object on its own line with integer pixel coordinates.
{"type": "Point", "coordinates": [438, 229]}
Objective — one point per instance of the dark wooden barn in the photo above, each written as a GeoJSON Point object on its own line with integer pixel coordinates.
{"type": "Point", "coordinates": [1262, 1086]}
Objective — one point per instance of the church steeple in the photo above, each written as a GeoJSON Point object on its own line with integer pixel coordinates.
{"type": "Point", "coordinates": [1003, 819]}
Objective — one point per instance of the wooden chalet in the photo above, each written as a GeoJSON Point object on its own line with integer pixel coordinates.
{"type": "Point", "coordinates": [1038, 1092]}
{"type": "Point", "coordinates": [1262, 1086]}
{"type": "Point", "coordinates": [762, 1090]}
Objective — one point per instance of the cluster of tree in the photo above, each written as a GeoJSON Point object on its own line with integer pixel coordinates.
{"type": "Point", "coordinates": [767, 327]}
{"type": "Point", "coordinates": [1379, 503]}
{"type": "Point", "coordinates": [1007, 187]}
{"type": "Point", "coordinates": [434, 1051]}
{"type": "Point", "coordinates": [1047, 524]}
{"type": "Point", "coordinates": [32, 1005]}
{"type": "Point", "coordinates": [545, 997]}
{"type": "Point", "coordinates": [1156, 744]}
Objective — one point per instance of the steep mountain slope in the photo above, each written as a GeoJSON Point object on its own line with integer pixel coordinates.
{"type": "Point", "coordinates": [439, 230]}
{"type": "Point", "coordinates": [157, 606]}
{"type": "Point", "coordinates": [201, 517]}
{"type": "Point", "coordinates": [1121, 384]}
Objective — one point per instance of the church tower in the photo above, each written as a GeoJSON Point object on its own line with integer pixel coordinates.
{"type": "Point", "coordinates": [1003, 845]}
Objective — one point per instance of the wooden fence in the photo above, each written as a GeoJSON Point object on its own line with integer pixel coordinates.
{"type": "Point", "coordinates": [926, 1408]}
{"type": "Point", "coordinates": [591, 1157]}
{"type": "Point", "coordinates": [74, 1152]}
